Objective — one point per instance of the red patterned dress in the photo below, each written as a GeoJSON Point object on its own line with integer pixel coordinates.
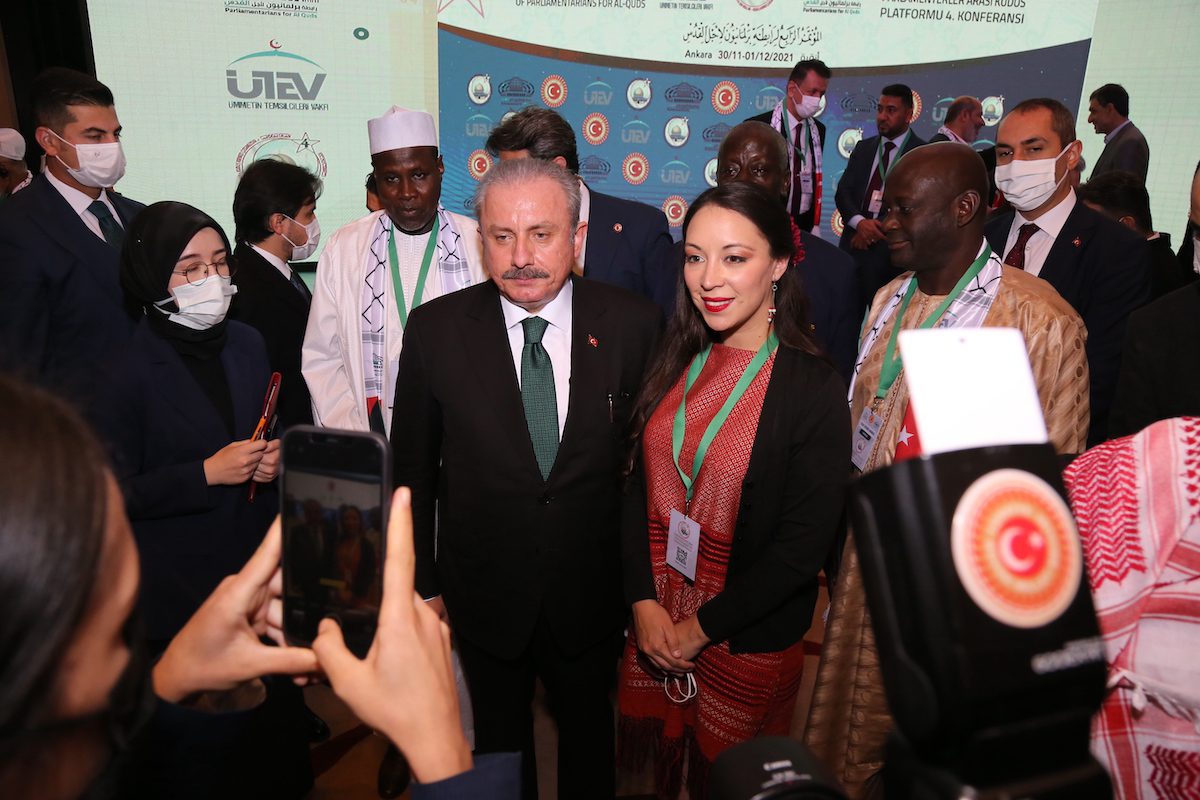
{"type": "Point", "coordinates": [739, 696]}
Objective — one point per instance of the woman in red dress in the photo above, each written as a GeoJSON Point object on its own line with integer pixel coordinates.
{"type": "Point", "coordinates": [753, 465]}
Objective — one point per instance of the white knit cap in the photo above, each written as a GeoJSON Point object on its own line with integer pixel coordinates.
{"type": "Point", "coordinates": [399, 128]}
{"type": "Point", "coordinates": [12, 144]}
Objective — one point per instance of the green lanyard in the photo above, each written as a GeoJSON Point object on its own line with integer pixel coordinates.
{"type": "Point", "coordinates": [421, 276]}
{"type": "Point", "coordinates": [891, 363]}
{"type": "Point", "coordinates": [752, 369]}
{"type": "Point", "coordinates": [895, 157]}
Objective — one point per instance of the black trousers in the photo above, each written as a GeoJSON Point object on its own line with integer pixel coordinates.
{"type": "Point", "coordinates": [579, 691]}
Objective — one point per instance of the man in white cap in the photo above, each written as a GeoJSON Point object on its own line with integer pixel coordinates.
{"type": "Point", "coordinates": [376, 270]}
{"type": "Point", "coordinates": [14, 175]}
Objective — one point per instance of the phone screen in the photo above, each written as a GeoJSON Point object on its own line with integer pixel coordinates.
{"type": "Point", "coordinates": [336, 487]}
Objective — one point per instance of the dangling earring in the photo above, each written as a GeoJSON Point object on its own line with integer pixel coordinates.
{"type": "Point", "coordinates": [771, 308]}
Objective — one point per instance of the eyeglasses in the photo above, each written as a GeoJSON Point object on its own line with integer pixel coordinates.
{"type": "Point", "coordinates": [197, 272]}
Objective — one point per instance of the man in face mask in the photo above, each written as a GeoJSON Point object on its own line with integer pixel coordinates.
{"type": "Point", "coordinates": [61, 311]}
{"type": "Point", "coordinates": [795, 118]}
{"type": "Point", "coordinates": [1098, 266]}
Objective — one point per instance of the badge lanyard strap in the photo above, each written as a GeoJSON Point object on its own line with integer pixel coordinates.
{"type": "Point", "coordinates": [879, 156]}
{"type": "Point", "coordinates": [891, 362]}
{"type": "Point", "coordinates": [421, 276]}
{"type": "Point", "coordinates": [805, 135]}
{"type": "Point", "coordinates": [751, 372]}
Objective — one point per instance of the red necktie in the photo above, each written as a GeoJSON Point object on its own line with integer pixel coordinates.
{"type": "Point", "coordinates": [876, 184]}
{"type": "Point", "coordinates": [1016, 256]}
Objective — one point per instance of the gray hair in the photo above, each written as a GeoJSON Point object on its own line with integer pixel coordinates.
{"type": "Point", "coordinates": [519, 171]}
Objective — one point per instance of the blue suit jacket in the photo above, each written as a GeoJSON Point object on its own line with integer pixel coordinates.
{"type": "Point", "coordinates": [62, 318]}
{"type": "Point", "coordinates": [496, 776]}
{"type": "Point", "coordinates": [160, 426]}
{"type": "Point", "coordinates": [629, 245]}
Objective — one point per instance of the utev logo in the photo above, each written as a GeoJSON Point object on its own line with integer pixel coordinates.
{"type": "Point", "coordinates": [276, 84]}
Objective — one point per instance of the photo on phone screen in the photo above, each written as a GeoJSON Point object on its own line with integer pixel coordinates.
{"type": "Point", "coordinates": [336, 487]}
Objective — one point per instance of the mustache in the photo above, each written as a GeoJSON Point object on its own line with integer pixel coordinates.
{"type": "Point", "coordinates": [524, 272]}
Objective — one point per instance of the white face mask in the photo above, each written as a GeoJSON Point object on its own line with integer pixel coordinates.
{"type": "Point", "coordinates": [807, 106]}
{"type": "Point", "coordinates": [303, 251]}
{"type": "Point", "coordinates": [1028, 184]}
{"type": "Point", "coordinates": [201, 307]}
{"type": "Point", "coordinates": [100, 165]}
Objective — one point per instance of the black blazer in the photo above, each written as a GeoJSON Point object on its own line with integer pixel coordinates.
{"type": "Point", "coordinates": [852, 188]}
{"type": "Point", "coordinates": [159, 427]}
{"type": "Point", "coordinates": [62, 314]}
{"type": "Point", "coordinates": [791, 509]}
{"type": "Point", "coordinates": [834, 306]}
{"type": "Point", "coordinates": [1102, 269]}
{"type": "Point", "coordinates": [268, 302]}
{"type": "Point", "coordinates": [1158, 378]}
{"type": "Point", "coordinates": [512, 546]}
{"type": "Point", "coordinates": [629, 245]}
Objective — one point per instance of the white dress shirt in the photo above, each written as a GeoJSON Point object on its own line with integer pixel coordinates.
{"type": "Point", "coordinates": [585, 209]}
{"type": "Point", "coordinates": [79, 202]}
{"type": "Point", "coordinates": [802, 139]}
{"type": "Point", "coordinates": [278, 263]}
{"type": "Point", "coordinates": [556, 340]}
{"type": "Point", "coordinates": [1049, 226]}
{"type": "Point", "coordinates": [899, 142]}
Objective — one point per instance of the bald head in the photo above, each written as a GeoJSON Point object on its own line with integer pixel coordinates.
{"type": "Point", "coordinates": [754, 152]}
{"type": "Point", "coordinates": [946, 168]}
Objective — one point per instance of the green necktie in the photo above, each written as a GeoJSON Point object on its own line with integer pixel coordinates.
{"type": "Point", "coordinates": [537, 395]}
{"type": "Point", "coordinates": [113, 233]}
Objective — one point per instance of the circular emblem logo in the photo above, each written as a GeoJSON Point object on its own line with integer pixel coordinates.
{"type": "Point", "coordinates": [675, 207]}
{"type": "Point", "coordinates": [820, 107]}
{"type": "Point", "coordinates": [635, 168]}
{"type": "Point", "coordinates": [710, 172]}
{"type": "Point", "coordinates": [676, 131]}
{"type": "Point", "coordinates": [299, 149]}
{"type": "Point", "coordinates": [754, 5]}
{"type": "Point", "coordinates": [847, 140]}
{"type": "Point", "coordinates": [478, 163]}
{"type": "Point", "coordinates": [479, 89]}
{"type": "Point", "coordinates": [917, 106]}
{"type": "Point", "coordinates": [725, 97]}
{"type": "Point", "coordinates": [836, 224]}
{"type": "Point", "coordinates": [595, 128]}
{"type": "Point", "coordinates": [638, 94]}
{"type": "Point", "coordinates": [1016, 548]}
{"type": "Point", "coordinates": [554, 91]}
{"type": "Point", "coordinates": [993, 110]}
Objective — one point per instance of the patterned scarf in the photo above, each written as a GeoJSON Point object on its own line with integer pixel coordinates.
{"type": "Point", "coordinates": [815, 146]}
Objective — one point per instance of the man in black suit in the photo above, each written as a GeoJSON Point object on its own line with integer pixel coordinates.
{"type": "Point", "coordinates": [754, 153]}
{"type": "Point", "coordinates": [860, 191]}
{"type": "Point", "coordinates": [1098, 266]}
{"type": "Point", "coordinates": [512, 403]}
{"type": "Point", "coordinates": [275, 214]}
{"type": "Point", "coordinates": [62, 314]}
{"type": "Point", "coordinates": [795, 119]}
{"type": "Point", "coordinates": [627, 243]}
{"type": "Point", "coordinates": [1125, 148]}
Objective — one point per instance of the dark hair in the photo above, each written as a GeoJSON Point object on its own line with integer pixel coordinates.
{"type": "Point", "coordinates": [57, 88]}
{"type": "Point", "coordinates": [269, 186]}
{"type": "Point", "coordinates": [372, 185]}
{"type": "Point", "coordinates": [687, 334]}
{"type": "Point", "coordinates": [1113, 94]}
{"type": "Point", "coordinates": [960, 106]}
{"type": "Point", "coordinates": [54, 492]}
{"type": "Point", "coordinates": [1120, 194]}
{"type": "Point", "coordinates": [1062, 121]}
{"type": "Point", "coordinates": [542, 132]}
{"type": "Point", "coordinates": [802, 69]}
{"type": "Point", "coordinates": [899, 90]}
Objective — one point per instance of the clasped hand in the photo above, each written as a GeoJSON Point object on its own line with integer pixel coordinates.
{"type": "Point", "coordinates": [670, 646]}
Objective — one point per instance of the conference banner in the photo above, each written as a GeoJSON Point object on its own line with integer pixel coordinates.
{"type": "Point", "coordinates": [652, 86]}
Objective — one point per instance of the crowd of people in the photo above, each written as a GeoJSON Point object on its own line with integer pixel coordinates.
{"type": "Point", "coordinates": [598, 502]}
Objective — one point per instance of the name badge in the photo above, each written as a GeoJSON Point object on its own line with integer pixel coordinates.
{"type": "Point", "coordinates": [806, 182]}
{"type": "Point", "coordinates": [865, 435]}
{"type": "Point", "coordinates": [876, 202]}
{"type": "Point", "coordinates": [683, 544]}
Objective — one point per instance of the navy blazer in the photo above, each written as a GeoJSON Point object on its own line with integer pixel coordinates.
{"type": "Point", "coordinates": [160, 426]}
{"type": "Point", "coordinates": [1102, 269]}
{"type": "Point", "coordinates": [268, 302]}
{"type": "Point", "coordinates": [62, 314]}
{"type": "Point", "coordinates": [629, 245]}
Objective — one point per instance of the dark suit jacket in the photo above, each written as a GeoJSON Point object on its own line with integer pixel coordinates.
{"type": "Point", "coordinates": [629, 245]}
{"type": "Point", "coordinates": [791, 508]}
{"type": "Point", "coordinates": [852, 188]}
{"type": "Point", "coordinates": [160, 426]}
{"type": "Point", "coordinates": [834, 306]}
{"type": "Point", "coordinates": [512, 547]}
{"type": "Point", "coordinates": [1159, 379]}
{"type": "Point", "coordinates": [268, 302]}
{"type": "Point", "coordinates": [1102, 269]}
{"type": "Point", "coordinates": [765, 118]}
{"type": "Point", "coordinates": [1128, 151]}
{"type": "Point", "coordinates": [1166, 273]}
{"type": "Point", "coordinates": [62, 315]}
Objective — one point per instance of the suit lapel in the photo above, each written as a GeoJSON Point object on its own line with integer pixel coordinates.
{"type": "Point", "coordinates": [65, 228]}
{"type": "Point", "coordinates": [271, 279]}
{"type": "Point", "coordinates": [179, 390]}
{"type": "Point", "coordinates": [247, 402]}
{"type": "Point", "coordinates": [1063, 259]}
{"type": "Point", "coordinates": [588, 370]}
{"type": "Point", "coordinates": [601, 246]}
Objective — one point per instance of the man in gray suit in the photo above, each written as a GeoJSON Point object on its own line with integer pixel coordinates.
{"type": "Point", "coordinates": [1125, 147]}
